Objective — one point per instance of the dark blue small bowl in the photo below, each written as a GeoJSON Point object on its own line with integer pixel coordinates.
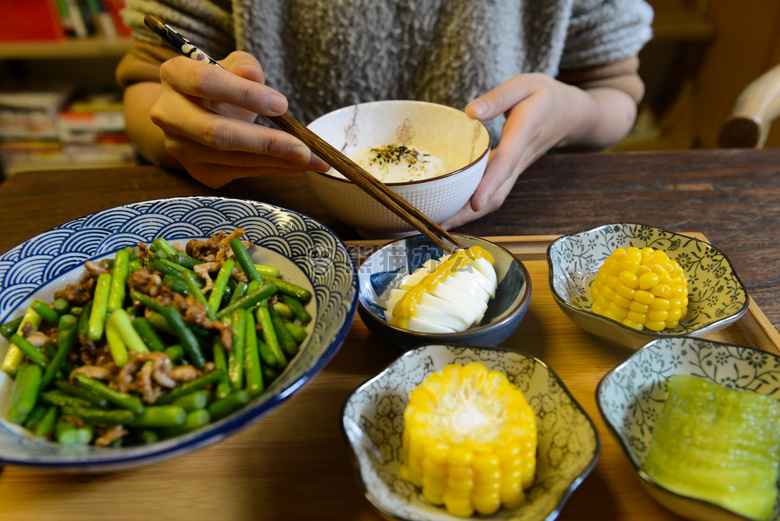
{"type": "Point", "coordinates": [504, 312]}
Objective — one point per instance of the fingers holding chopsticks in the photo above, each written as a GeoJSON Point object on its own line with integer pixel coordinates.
{"type": "Point", "coordinates": [207, 115]}
{"type": "Point", "coordinates": [239, 85]}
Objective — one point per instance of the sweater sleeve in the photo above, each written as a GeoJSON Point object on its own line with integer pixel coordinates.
{"type": "Point", "coordinates": [208, 23]}
{"type": "Point", "coordinates": [605, 31]}
{"type": "Point", "coordinates": [622, 75]}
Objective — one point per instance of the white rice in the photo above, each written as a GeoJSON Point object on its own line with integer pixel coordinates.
{"type": "Point", "coordinates": [398, 163]}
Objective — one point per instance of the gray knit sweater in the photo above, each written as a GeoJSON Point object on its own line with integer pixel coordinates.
{"type": "Point", "coordinates": [325, 54]}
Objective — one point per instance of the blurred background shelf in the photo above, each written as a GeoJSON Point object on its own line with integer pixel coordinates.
{"type": "Point", "coordinates": [703, 53]}
{"type": "Point", "coordinates": [60, 105]}
{"type": "Point", "coordinates": [71, 48]}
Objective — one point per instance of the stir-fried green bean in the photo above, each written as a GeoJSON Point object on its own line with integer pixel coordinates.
{"type": "Point", "coordinates": [29, 350]}
{"type": "Point", "coordinates": [14, 357]}
{"type": "Point", "coordinates": [66, 339]}
{"type": "Point", "coordinates": [251, 298]}
{"type": "Point", "coordinates": [68, 434]}
{"type": "Point", "coordinates": [92, 397]}
{"type": "Point", "coordinates": [148, 334]}
{"type": "Point", "coordinates": [24, 393]}
{"type": "Point", "coordinates": [245, 261]}
{"type": "Point", "coordinates": [46, 423]}
{"type": "Point", "coordinates": [252, 368]}
{"type": "Point", "coordinates": [190, 387]}
{"type": "Point", "coordinates": [123, 400]}
{"type": "Point", "coordinates": [220, 362]}
{"type": "Point", "coordinates": [45, 311]}
{"type": "Point", "coordinates": [97, 316]}
{"type": "Point", "coordinates": [266, 324]}
{"type": "Point", "coordinates": [117, 289]}
{"type": "Point", "coordinates": [10, 327]}
{"type": "Point", "coordinates": [297, 308]}
{"type": "Point", "coordinates": [228, 404]}
{"type": "Point", "coordinates": [293, 290]}
{"type": "Point", "coordinates": [236, 355]}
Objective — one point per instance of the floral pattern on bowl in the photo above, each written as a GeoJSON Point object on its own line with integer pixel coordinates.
{"type": "Point", "coordinates": [372, 424]}
{"type": "Point", "coordinates": [630, 398]}
{"type": "Point", "coordinates": [717, 297]}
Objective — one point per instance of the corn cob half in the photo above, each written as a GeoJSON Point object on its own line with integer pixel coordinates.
{"type": "Point", "coordinates": [469, 440]}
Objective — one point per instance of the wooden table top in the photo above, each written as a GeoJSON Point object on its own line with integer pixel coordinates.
{"type": "Point", "coordinates": [730, 196]}
{"type": "Point", "coordinates": [293, 464]}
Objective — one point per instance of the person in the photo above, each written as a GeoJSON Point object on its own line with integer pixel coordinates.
{"type": "Point", "coordinates": [543, 75]}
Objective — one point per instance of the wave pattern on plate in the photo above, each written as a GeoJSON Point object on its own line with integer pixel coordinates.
{"type": "Point", "coordinates": [207, 219]}
{"type": "Point", "coordinates": [256, 228]}
{"type": "Point", "coordinates": [176, 210]}
{"type": "Point", "coordinates": [85, 240]}
{"type": "Point", "coordinates": [62, 263]}
{"type": "Point", "coordinates": [53, 246]}
{"type": "Point", "coordinates": [110, 220]}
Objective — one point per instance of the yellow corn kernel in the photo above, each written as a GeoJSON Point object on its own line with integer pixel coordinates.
{"type": "Point", "coordinates": [641, 289]}
{"type": "Point", "coordinates": [637, 318]}
{"type": "Point", "coordinates": [644, 296]}
{"type": "Point", "coordinates": [660, 304]}
{"type": "Point", "coordinates": [629, 279]}
{"type": "Point", "coordinates": [625, 292]}
{"type": "Point", "coordinates": [630, 323]}
{"type": "Point", "coordinates": [657, 315]}
{"type": "Point", "coordinates": [648, 280]}
{"type": "Point", "coordinates": [621, 301]}
{"type": "Point", "coordinates": [661, 290]}
{"type": "Point", "coordinates": [471, 443]}
{"type": "Point", "coordinates": [655, 326]}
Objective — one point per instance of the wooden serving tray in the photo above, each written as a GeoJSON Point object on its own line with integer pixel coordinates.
{"type": "Point", "coordinates": [294, 465]}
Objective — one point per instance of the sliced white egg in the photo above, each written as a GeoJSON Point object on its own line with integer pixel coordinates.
{"type": "Point", "coordinates": [443, 304]}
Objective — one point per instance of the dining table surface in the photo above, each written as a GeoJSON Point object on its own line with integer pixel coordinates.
{"type": "Point", "coordinates": [294, 463]}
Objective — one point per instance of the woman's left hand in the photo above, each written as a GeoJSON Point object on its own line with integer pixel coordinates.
{"type": "Point", "coordinates": [541, 113]}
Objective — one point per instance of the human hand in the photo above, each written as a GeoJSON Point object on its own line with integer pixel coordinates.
{"type": "Point", "coordinates": [207, 115]}
{"type": "Point", "coordinates": [541, 113]}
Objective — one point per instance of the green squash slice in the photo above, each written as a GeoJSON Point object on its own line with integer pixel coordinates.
{"type": "Point", "coordinates": [719, 445]}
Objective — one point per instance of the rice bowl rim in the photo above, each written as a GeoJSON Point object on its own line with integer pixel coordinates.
{"type": "Point", "coordinates": [487, 150]}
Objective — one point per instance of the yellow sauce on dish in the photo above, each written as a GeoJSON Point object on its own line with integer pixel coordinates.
{"type": "Point", "coordinates": [406, 307]}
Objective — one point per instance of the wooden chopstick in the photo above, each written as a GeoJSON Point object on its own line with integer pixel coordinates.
{"type": "Point", "coordinates": [348, 168]}
{"type": "Point", "coordinates": [368, 183]}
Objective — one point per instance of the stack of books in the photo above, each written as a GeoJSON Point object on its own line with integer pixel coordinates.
{"type": "Point", "coordinates": [54, 126]}
{"type": "Point", "coordinates": [26, 20]}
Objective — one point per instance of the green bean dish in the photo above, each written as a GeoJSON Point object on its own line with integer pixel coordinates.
{"type": "Point", "coordinates": [155, 342]}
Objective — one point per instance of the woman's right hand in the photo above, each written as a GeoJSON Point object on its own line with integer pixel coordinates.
{"type": "Point", "coordinates": [207, 116]}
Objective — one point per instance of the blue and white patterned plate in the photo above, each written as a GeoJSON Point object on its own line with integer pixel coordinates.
{"type": "Point", "coordinates": [372, 424]}
{"type": "Point", "coordinates": [630, 398]}
{"type": "Point", "coordinates": [717, 297]}
{"type": "Point", "coordinates": [306, 252]}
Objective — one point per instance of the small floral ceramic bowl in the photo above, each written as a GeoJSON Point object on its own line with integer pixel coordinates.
{"type": "Point", "coordinates": [631, 396]}
{"type": "Point", "coordinates": [504, 312]}
{"type": "Point", "coordinates": [372, 425]}
{"type": "Point", "coordinates": [717, 297]}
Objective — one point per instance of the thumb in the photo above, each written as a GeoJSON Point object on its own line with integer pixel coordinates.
{"type": "Point", "coordinates": [499, 100]}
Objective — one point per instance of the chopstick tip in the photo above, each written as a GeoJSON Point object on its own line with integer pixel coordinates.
{"type": "Point", "coordinates": [153, 22]}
